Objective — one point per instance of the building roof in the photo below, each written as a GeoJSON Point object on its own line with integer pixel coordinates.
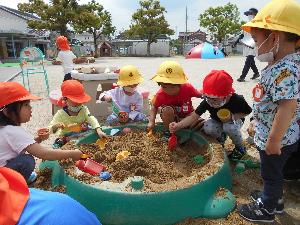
{"type": "Point", "coordinates": [23, 15]}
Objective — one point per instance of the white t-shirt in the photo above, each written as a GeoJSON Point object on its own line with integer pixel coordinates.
{"type": "Point", "coordinates": [13, 140]}
{"type": "Point", "coordinates": [66, 57]}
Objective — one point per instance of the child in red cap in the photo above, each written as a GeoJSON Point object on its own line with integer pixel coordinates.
{"type": "Point", "coordinates": [66, 56]}
{"type": "Point", "coordinates": [227, 111]}
{"type": "Point", "coordinates": [74, 113]}
{"type": "Point", "coordinates": [17, 147]}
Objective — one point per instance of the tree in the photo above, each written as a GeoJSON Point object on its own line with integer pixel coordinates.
{"type": "Point", "coordinates": [149, 22]}
{"type": "Point", "coordinates": [93, 19]}
{"type": "Point", "coordinates": [221, 21]}
{"type": "Point", "coordinates": [54, 16]}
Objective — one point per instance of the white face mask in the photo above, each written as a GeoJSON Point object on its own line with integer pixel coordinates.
{"type": "Point", "coordinates": [250, 17]}
{"type": "Point", "coordinates": [75, 109]}
{"type": "Point", "coordinates": [130, 89]}
{"type": "Point", "coordinates": [216, 105]}
{"type": "Point", "coordinates": [268, 56]}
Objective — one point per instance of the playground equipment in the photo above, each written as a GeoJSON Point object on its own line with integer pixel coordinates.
{"type": "Point", "coordinates": [32, 62]}
{"type": "Point", "coordinates": [205, 51]}
{"type": "Point", "coordinates": [114, 205]}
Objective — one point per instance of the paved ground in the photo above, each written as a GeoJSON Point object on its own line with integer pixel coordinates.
{"type": "Point", "coordinates": [6, 73]}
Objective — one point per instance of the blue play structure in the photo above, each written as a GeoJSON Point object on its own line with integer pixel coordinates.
{"type": "Point", "coordinates": [205, 51]}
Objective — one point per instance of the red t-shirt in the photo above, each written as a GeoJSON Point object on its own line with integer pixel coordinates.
{"type": "Point", "coordinates": [181, 102]}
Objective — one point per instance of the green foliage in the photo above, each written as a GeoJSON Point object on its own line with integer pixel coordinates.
{"type": "Point", "coordinates": [95, 20]}
{"type": "Point", "coordinates": [149, 22]}
{"type": "Point", "coordinates": [54, 16]}
{"type": "Point", "coordinates": [178, 44]}
{"type": "Point", "coordinates": [221, 21]}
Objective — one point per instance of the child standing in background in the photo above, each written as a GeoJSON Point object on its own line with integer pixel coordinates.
{"type": "Point", "coordinates": [220, 99]}
{"type": "Point", "coordinates": [73, 114]}
{"type": "Point", "coordinates": [276, 31]}
{"type": "Point", "coordinates": [127, 101]}
{"type": "Point", "coordinates": [173, 99]}
{"type": "Point", "coordinates": [66, 56]}
{"type": "Point", "coordinates": [15, 142]}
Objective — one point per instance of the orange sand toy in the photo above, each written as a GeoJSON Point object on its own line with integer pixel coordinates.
{"type": "Point", "coordinates": [74, 127]}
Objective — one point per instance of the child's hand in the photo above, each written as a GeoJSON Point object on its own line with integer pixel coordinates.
{"type": "Point", "coordinates": [107, 98]}
{"type": "Point", "coordinates": [173, 127]}
{"type": "Point", "coordinates": [250, 130]}
{"type": "Point", "coordinates": [100, 133]}
{"type": "Point", "coordinates": [150, 125]}
{"type": "Point", "coordinates": [43, 134]}
{"type": "Point", "coordinates": [76, 154]}
{"type": "Point", "coordinates": [59, 126]}
{"type": "Point", "coordinates": [273, 147]}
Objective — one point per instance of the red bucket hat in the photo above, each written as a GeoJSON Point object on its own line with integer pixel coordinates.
{"type": "Point", "coordinates": [11, 92]}
{"type": "Point", "coordinates": [74, 90]}
{"type": "Point", "coordinates": [62, 43]}
{"type": "Point", "coordinates": [218, 83]}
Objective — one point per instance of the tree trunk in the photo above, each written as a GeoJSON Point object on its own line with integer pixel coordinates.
{"type": "Point", "coordinates": [95, 46]}
{"type": "Point", "coordinates": [148, 48]}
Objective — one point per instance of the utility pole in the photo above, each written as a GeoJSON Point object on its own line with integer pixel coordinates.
{"type": "Point", "coordinates": [185, 35]}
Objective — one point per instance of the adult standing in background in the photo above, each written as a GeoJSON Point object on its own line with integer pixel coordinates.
{"type": "Point", "coordinates": [248, 49]}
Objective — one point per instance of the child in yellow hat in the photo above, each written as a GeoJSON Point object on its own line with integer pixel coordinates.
{"type": "Point", "coordinates": [276, 30]}
{"type": "Point", "coordinates": [74, 117]}
{"type": "Point", "coordinates": [127, 101]}
{"type": "Point", "coordinates": [174, 99]}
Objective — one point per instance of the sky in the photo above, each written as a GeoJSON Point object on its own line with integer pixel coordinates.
{"type": "Point", "coordinates": [122, 10]}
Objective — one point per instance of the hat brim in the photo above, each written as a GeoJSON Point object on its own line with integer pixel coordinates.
{"type": "Point", "coordinates": [216, 96]}
{"type": "Point", "coordinates": [130, 82]}
{"type": "Point", "coordinates": [166, 80]}
{"type": "Point", "coordinates": [79, 99]}
{"type": "Point", "coordinates": [29, 97]}
{"type": "Point", "coordinates": [268, 26]}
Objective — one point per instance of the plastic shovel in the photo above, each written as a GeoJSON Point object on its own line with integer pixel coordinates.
{"type": "Point", "coordinates": [172, 142]}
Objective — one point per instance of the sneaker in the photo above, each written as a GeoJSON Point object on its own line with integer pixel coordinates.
{"type": "Point", "coordinates": [237, 153]}
{"type": "Point", "coordinates": [256, 212]}
{"type": "Point", "coordinates": [256, 194]}
{"type": "Point", "coordinates": [241, 80]}
{"type": "Point", "coordinates": [255, 76]}
{"type": "Point", "coordinates": [32, 178]}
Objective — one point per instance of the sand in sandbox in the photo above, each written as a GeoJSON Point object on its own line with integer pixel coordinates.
{"type": "Point", "coordinates": [150, 158]}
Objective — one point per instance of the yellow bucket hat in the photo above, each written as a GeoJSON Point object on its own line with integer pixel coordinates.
{"type": "Point", "coordinates": [129, 75]}
{"type": "Point", "coordinates": [280, 15]}
{"type": "Point", "coordinates": [170, 72]}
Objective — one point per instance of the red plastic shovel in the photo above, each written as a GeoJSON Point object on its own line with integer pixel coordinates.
{"type": "Point", "coordinates": [172, 143]}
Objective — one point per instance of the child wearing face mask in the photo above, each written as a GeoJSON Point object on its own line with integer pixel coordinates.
{"type": "Point", "coordinates": [127, 102]}
{"type": "Point", "coordinates": [227, 111]}
{"type": "Point", "coordinates": [17, 146]}
{"type": "Point", "coordinates": [276, 32]}
{"type": "Point", "coordinates": [73, 115]}
{"type": "Point", "coordinates": [173, 100]}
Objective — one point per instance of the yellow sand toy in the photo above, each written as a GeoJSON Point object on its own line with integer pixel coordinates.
{"type": "Point", "coordinates": [122, 155]}
{"type": "Point", "coordinates": [101, 142]}
{"type": "Point", "coordinates": [224, 114]}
